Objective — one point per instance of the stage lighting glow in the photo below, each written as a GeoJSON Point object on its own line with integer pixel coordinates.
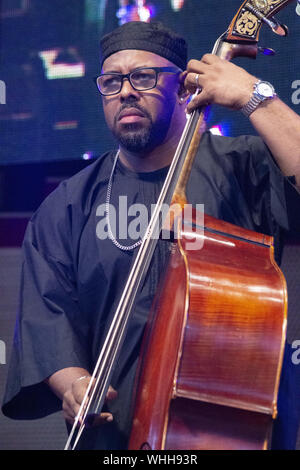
{"type": "Point", "coordinates": [144, 14]}
{"type": "Point", "coordinates": [136, 11]}
{"type": "Point", "coordinates": [88, 155]}
{"type": "Point", "coordinates": [11, 9]}
{"type": "Point", "coordinates": [123, 12]}
{"type": "Point", "coordinates": [177, 4]}
{"type": "Point", "coordinates": [219, 129]}
{"type": "Point", "coordinates": [57, 68]}
{"type": "Point", "coordinates": [65, 125]}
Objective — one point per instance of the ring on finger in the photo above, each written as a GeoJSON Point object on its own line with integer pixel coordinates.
{"type": "Point", "coordinates": [199, 88]}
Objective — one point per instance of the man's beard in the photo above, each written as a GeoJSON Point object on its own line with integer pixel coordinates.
{"type": "Point", "coordinates": [137, 137]}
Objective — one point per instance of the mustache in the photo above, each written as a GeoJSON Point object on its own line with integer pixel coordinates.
{"type": "Point", "coordinates": [131, 105]}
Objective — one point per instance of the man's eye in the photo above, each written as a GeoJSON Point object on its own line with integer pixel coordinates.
{"type": "Point", "coordinates": [142, 76]}
{"type": "Point", "coordinates": [111, 81]}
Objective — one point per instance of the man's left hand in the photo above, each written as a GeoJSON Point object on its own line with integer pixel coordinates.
{"type": "Point", "coordinates": [221, 82]}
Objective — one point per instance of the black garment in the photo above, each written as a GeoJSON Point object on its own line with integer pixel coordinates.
{"type": "Point", "coordinates": [72, 280]}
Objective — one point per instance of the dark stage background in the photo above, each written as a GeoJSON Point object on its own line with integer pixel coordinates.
{"type": "Point", "coordinates": [51, 126]}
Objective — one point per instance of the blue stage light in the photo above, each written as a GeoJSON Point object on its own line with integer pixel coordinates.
{"type": "Point", "coordinates": [222, 128]}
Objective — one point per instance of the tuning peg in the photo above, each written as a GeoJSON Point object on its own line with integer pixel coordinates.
{"type": "Point", "coordinates": [266, 50]}
{"type": "Point", "coordinates": [276, 27]}
{"type": "Point", "coordinates": [272, 22]}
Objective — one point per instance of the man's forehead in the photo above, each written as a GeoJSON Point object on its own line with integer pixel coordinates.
{"type": "Point", "coordinates": [132, 58]}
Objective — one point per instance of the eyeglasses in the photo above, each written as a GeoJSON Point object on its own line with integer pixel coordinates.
{"type": "Point", "coordinates": [141, 79]}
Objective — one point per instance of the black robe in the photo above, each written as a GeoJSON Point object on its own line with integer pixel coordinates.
{"type": "Point", "coordinates": [71, 280]}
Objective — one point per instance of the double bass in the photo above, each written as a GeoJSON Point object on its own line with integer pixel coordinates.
{"type": "Point", "coordinates": [212, 354]}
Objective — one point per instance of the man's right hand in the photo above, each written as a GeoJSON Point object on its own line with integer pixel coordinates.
{"type": "Point", "coordinates": [70, 385]}
{"type": "Point", "coordinates": [73, 397]}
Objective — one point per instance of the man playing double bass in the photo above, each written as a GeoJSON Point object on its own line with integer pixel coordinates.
{"type": "Point", "coordinates": [72, 276]}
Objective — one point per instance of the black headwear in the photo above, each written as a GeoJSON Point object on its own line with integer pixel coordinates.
{"type": "Point", "coordinates": [152, 37]}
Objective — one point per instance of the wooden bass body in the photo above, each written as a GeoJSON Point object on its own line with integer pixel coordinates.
{"type": "Point", "coordinates": [212, 353]}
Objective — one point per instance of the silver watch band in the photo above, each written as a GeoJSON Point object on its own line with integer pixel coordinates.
{"type": "Point", "coordinates": [257, 98]}
{"type": "Point", "coordinates": [251, 105]}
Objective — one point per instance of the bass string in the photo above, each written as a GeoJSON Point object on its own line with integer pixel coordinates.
{"type": "Point", "coordinates": [95, 394]}
{"type": "Point", "coordinates": [119, 325]}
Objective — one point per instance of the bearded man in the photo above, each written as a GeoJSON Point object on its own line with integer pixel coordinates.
{"type": "Point", "coordinates": [73, 276]}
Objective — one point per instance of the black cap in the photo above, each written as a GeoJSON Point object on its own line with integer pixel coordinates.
{"type": "Point", "coordinates": [153, 37]}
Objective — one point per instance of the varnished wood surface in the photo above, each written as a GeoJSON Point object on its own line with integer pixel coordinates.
{"type": "Point", "coordinates": [233, 339]}
{"type": "Point", "coordinates": [230, 297]}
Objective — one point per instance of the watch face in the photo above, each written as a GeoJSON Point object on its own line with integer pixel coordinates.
{"type": "Point", "coordinates": [265, 89]}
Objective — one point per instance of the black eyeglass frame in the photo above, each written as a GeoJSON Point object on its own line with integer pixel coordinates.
{"type": "Point", "coordinates": [157, 70]}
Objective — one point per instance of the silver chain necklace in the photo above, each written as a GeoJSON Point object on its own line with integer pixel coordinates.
{"type": "Point", "coordinates": [107, 205]}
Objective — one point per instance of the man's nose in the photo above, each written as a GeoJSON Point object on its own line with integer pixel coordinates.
{"type": "Point", "coordinates": [127, 90]}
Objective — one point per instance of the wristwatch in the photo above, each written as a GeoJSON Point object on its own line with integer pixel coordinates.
{"type": "Point", "coordinates": [262, 91]}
